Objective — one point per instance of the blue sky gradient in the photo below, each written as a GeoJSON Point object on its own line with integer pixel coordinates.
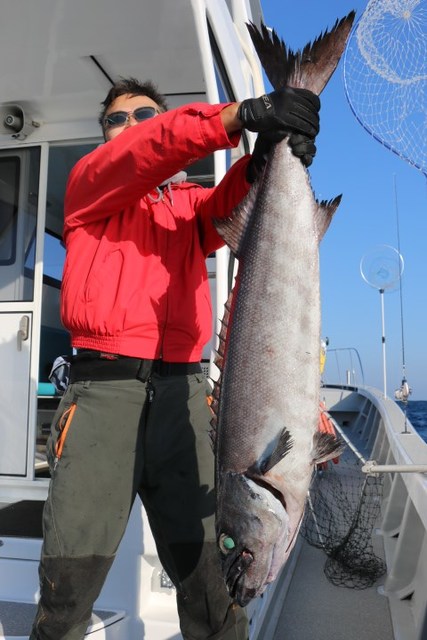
{"type": "Point", "coordinates": [350, 161]}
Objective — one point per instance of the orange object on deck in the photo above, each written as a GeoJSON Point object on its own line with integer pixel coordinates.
{"type": "Point", "coordinates": [326, 426]}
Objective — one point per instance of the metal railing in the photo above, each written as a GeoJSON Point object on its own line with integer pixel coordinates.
{"type": "Point", "coordinates": [344, 367]}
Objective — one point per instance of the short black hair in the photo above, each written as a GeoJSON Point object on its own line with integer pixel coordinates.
{"type": "Point", "coordinates": [133, 87]}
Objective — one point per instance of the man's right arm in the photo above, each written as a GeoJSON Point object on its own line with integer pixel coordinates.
{"type": "Point", "coordinates": [120, 172]}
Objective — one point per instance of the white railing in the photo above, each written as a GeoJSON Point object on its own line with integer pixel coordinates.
{"type": "Point", "coordinates": [396, 450]}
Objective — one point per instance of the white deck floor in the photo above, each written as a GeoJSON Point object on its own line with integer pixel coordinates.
{"type": "Point", "coordinates": [312, 608]}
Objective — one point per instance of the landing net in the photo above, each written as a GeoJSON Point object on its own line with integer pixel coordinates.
{"type": "Point", "coordinates": [343, 507]}
{"type": "Point", "coordinates": [385, 75]}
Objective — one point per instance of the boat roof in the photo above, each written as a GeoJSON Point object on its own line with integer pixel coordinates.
{"type": "Point", "coordinates": [59, 57]}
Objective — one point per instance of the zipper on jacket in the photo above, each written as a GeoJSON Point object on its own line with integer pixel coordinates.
{"type": "Point", "coordinates": [168, 215]}
{"type": "Point", "coordinates": [163, 328]}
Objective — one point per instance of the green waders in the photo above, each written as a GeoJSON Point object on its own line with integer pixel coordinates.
{"type": "Point", "coordinates": [111, 440]}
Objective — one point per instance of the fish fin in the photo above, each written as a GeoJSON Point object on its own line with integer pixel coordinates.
{"type": "Point", "coordinates": [223, 332]}
{"type": "Point", "coordinates": [310, 68]}
{"type": "Point", "coordinates": [325, 447]}
{"type": "Point", "coordinates": [325, 212]}
{"type": "Point", "coordinates": [212, 432]}
{"type": "Point", "coordinates": [214, 408]}
{"type": "Point", "coordinates": [233, 229]}
{"type": "Point", "coordinates": [284, 445]}
{"type": "Point", "coordinates": [219, 361]}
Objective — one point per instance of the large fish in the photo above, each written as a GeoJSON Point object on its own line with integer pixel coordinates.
{"type": "Point", "coordinates": [266, 402]}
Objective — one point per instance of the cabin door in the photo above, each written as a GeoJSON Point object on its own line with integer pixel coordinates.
{"type": "Point", "coordinates": [15, 331]}
{"type": "Point", "coordinates": [19, 187]}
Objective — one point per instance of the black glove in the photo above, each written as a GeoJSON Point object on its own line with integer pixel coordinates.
{"type": "Point", "coordinates": [301, 146]}
{"type": "Point", "coordinates": [294, 109]}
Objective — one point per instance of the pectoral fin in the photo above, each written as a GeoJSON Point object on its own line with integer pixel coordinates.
{"type": "Point", "coordinates": [282, 448]}
{"type": "Point", "coordinates": [325, 447]}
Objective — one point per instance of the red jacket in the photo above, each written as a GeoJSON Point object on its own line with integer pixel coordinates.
{"type": "Point", "coordinates": [135, 280]}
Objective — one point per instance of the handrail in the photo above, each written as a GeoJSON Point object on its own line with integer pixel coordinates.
{"type": "Point", "coordinates": [372, 468]}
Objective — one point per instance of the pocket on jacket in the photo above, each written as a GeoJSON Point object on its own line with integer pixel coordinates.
{"type": "Point", "coordinates": [105, 302]}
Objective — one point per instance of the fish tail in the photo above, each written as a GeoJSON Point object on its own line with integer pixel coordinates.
{"type": "Point", "coordinates": [309, 68]}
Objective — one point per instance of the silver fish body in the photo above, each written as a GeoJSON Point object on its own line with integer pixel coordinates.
{"type": "Point", "coordinates": [267, 400]}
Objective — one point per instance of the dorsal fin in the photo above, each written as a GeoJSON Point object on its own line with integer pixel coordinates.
{"type": "Point", "coordinates": [324, 214]}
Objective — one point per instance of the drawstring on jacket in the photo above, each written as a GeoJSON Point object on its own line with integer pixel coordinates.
{"type": "Point", "coordinates": [179, 177]}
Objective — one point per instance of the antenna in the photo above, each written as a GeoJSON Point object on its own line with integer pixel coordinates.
{"type": "Point", "coordinates": [381, 268]}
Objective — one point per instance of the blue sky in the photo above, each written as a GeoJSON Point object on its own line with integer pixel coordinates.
{"type": "Point", "coordinates": [350, 161]}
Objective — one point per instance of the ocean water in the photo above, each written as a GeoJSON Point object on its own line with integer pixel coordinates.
{"type": "Point", "coordinates": [417, 414]}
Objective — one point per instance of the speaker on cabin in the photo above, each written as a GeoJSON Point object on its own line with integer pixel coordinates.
{"type": "Point", "coordinates": [15, 122]}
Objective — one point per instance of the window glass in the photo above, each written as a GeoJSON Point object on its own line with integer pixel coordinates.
{"type": "Point", "coordinates": [62, 159]}
{"type": "Point", "coordinates": [9, 192]}
{"type": "Point", "coordinates": [19, 186]}
{"type": "Point", "coordinates": [54, 252]}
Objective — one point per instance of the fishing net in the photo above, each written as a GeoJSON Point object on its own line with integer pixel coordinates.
{"type": "Point", "coordinates": [343, 507]}
{"type": "Point", "coordinates": [385, 75]}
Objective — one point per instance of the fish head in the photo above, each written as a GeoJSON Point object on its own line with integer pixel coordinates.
{"type": "Point", "coordinates": [252, 525]}
{"type": "Point", "coordinates": [259, 511]}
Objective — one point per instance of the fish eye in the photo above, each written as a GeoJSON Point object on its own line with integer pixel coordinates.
{"type": "Point", "coordinates": [226, 544]}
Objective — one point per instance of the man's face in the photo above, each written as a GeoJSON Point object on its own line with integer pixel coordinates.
{"type": "Point", "coordinates": [128, 104]}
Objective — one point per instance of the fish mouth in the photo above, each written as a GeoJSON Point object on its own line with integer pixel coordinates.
{"type": "Point", "coordinates": [238, 564]}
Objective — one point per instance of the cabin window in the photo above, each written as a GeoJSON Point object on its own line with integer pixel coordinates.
{"type": "Point", "coordinates": [19, 180]}
{"type": "Point", "coordinates": [9, 192]}
{"type": "Point", "coordinates": [62, 158]}
{"type": "Point", "coordinates": [53, 263]}
{"type": "Point", "coordinates": [54, 339]}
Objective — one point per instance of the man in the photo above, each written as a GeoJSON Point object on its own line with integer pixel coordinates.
{"type": "Point", "coordinates": [135, 298]}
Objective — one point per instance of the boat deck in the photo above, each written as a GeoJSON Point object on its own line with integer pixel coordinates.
{"type": "Point", "coordinates": [309, 606]}
{"type": "Point", "coordinates": [314, 608]}
{"type": "Point", "coordinates": [16, 619]}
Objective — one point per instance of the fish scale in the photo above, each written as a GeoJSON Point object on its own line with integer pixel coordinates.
{"type": "Point", "coordinates": [267, 398]}
{"type": "Point", "coordinates": [260, 306]}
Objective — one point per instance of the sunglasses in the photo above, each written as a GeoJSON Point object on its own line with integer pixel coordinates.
{"type": "Point", "coordinates": [120, 118]}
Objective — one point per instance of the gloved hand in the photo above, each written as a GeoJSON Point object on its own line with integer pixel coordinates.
{"type": "Point", "coordinates": [301, 146]}
{"type": "Point", "coordinates": [296, 110]}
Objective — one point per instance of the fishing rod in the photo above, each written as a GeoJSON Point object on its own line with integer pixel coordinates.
{"type": "Point", "coordinates": [402, 394]}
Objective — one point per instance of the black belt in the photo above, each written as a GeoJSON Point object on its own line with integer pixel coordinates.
{"type": "Point", "coordinates": [95, 365]}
